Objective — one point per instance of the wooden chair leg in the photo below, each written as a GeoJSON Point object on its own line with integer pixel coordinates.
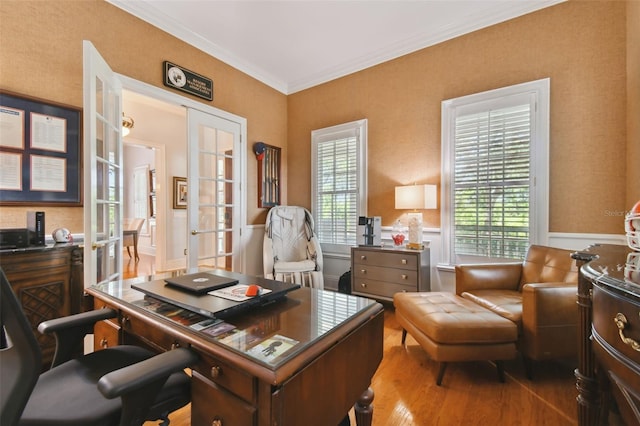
{"type": "Point", "coordinates": [128, 251]}
{"type": "Point", "coordinates": [404, 335]}
{"type": "Point", "coordinates": [500, 368]}
{"type": "Point", "coordinates": [443, 367]}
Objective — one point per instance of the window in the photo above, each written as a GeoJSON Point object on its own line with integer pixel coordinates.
{"type": "Point", "coordinates": [338, 181]}
{"type": "Point", "coordinates": [495, 173]}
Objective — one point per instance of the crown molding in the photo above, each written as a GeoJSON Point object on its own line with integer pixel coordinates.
{"type": "Point", "coordinates": [503, 11]}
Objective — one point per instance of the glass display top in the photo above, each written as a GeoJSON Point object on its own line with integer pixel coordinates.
{"type": "Point", "coordinates": [271, 334]}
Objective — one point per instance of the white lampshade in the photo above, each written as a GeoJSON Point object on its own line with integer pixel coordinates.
{"type": "Point", "coordinates": [417, 197]}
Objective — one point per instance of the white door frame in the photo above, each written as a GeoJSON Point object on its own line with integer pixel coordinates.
{"type": "Point", "coordinates": [160, 94]}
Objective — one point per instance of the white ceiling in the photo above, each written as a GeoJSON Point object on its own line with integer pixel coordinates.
{"type": "Point", "coordinates": [294, 45]}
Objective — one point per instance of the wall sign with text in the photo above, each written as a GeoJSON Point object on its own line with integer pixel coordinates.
{"type": "Point", "coordinates": [40, 152]}
{"type": "Point", "coordinates": [187, 81]}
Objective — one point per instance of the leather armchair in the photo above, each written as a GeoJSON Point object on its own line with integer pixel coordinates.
{"type": "Point", "coordinates": [539, 295]}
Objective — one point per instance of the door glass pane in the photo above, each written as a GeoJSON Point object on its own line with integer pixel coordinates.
{"type": "Point", "coordinates": [214, 196]}
{"type": "Point", "coordinates": [99, 96]}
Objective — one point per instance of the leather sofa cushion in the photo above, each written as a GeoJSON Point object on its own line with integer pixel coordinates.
{"type": "Point", "coordinates": [450, 319]}
{"type": "Point", "coordinates": [506, 303]}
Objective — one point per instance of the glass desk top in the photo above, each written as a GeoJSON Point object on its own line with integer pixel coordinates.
{"type": "Point", "coordinates": [269, 335]}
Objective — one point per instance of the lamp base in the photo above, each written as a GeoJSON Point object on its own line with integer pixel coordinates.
{"type": "Point", "coordinates": [415, 246]}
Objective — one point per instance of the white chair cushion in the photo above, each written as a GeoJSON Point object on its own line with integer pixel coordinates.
{"type": "Point", "coordinates": [301, 266]}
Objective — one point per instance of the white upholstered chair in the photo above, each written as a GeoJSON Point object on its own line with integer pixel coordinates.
{"type": "Point", "coordinates": [291, 252]}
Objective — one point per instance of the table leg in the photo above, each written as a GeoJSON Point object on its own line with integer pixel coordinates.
{"type": "Point", "coordinates": [364, 409]}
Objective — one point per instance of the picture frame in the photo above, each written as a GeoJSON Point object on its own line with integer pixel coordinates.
{"type": "Point", "coordinates": [179, 192]}
{"type": "Point", "coordinates": [40, 152]}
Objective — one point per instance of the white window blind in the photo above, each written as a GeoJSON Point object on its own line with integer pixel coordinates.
{"type": "Point", "coordinates": [338, 170]}
{"type": "Point", "coordinates": [491, 182]}
{"type": "Point", "coordinates": [495, 168]}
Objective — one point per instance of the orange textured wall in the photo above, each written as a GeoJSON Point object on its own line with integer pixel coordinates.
{"type": "Point", "coordinates": [41, 56]}
{"type": "Point", "coordinates": [579, 45]}
{"type": "Point", "coordinates": [633, 102]}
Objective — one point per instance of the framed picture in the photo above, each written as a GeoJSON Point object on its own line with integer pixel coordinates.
{"type": "Point", "coordinates": [40, 152]}
{"type": "Point", "coordinates": [179, 192]}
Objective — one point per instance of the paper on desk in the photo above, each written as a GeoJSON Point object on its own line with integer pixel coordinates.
{"type": "Point", "coordinates": [237, 292]}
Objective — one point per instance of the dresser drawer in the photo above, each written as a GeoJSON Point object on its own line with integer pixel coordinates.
{"type": "Point", "coordinates": [382, 289]}
{"type": "Point", "coordinates": [211, 403]}
{"type": "Point", "coordinates": [385, 259]}
{"type": "Point", "coordinates": [390, 275]}
{"type": "Point", "coordinates": [607, 307]}
{"type": "Point", "coordinates": [223, 374]}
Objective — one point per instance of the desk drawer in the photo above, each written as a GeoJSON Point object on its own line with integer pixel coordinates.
{"type": "Point", "coordinates": [607, 306]}
{"type": "Point", "coordinates": [155, 337]}
{"type": "Point", "coordinates": [106, 334]}
{"type": "Point", "coordinates": [385, 259]}
{"type": "Point", "coordinates": [223, 374]}
{"type": "Point", "coordinates": [390, 275]}
{"type": "Point", "coordinates": [210, 403]}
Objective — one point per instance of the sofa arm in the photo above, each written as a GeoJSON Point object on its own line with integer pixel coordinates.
{"type": "Point", "coordinates": [505, 276]}
{"type": "Point", "coordinates": [549, 320]}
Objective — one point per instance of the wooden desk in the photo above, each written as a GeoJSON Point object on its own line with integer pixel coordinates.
{"type": "Point", "coordinates": [316, 382]}
{"type": "Point", "coordinates": [609, 352]}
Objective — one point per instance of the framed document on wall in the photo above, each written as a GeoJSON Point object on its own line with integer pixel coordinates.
{"type": "Point", "coordinates": [40, 152]}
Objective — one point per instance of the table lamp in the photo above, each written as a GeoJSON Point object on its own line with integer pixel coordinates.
{"type": "Point", "coordinates": [416, 197]}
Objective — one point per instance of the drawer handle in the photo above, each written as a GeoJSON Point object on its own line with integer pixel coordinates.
{"type": "Point", "coordinates": [216, 371]}
{"type": "Point", "coordinates": [403, 261]}
{"type": "Point", "coordinates": [363, 257]}
{"type": "Point", "coordinates": [405, 276]}
{"type": "Point", "coordinates": [621, 322]}
{"type": "Point", "coordinates": [363, 271]}
{"type": "Point", "coordinates": [216, 422]}
{"type": "Point", "coordinates": [363, 285]}
{"type": "Point", "coordinates": [104, 343]}
{"type": "Point", "coordinates": [175, 345]}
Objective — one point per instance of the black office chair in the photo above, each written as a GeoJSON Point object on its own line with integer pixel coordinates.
{"type": "Point", "coordinates": [123, 385]}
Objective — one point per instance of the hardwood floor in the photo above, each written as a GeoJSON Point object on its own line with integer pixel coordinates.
{"type": "Point", "coordinates": [406, 393]}
{"type": "Point", "coordinates": [131, 268]}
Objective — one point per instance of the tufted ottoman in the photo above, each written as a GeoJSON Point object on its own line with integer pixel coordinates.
{"type": "Point", "coordinates": [450, 328]}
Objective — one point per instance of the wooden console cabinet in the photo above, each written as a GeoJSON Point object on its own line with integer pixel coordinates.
{"type": "Point", "coordinates": [379, 273]}
{"type": "Point", "coordinates": [48, 282]}
{"type": "Point", "coordinates": [608, 374]}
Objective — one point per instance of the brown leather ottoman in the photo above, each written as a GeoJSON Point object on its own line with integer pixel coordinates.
{"type": "Point", "coordinates": [450, 328]}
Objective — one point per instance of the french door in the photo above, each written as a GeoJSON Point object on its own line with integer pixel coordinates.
{"type": "Point", "coordinates": [215, 164]}
{"type": "Point", "coordinates": [213, 188]}
{"type": "Point", "coordinates": [102, 169]}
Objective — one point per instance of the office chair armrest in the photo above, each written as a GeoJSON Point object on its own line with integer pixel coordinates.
{"type": "Point", "coordinates": [70, 330]}
{"type": "Point", "coordinates": [138, 385]}
{"type": "Point", "coordinates": [144, 373]}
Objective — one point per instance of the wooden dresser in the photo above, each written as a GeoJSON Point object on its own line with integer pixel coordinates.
{"type": "Point", "coordinates": [48, 282]}
{"type": "Point", "coordinates": [608, 374]}
{"type": "Point", "coordinates": [379, 273]}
